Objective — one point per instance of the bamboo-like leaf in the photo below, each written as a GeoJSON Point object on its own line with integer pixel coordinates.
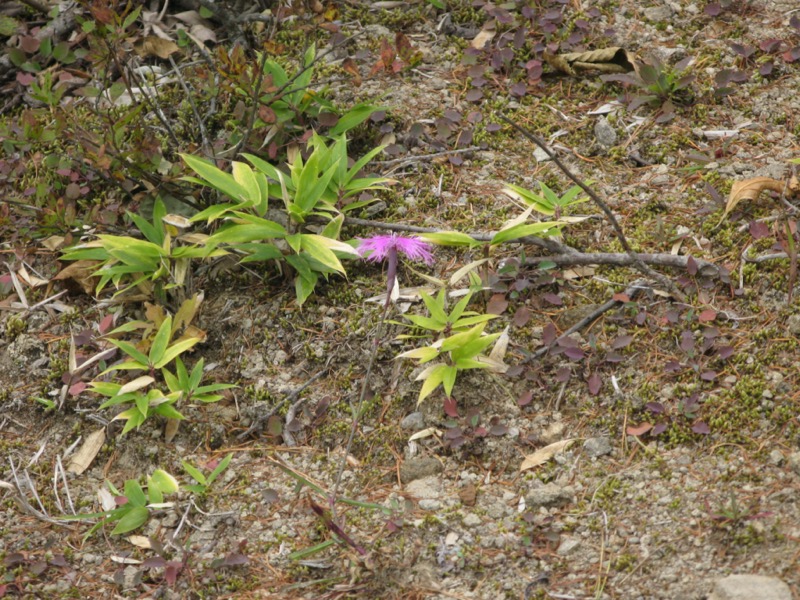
{"type": "Point", "coordinates": [449, 238]}
{"type": "Point", "coordinates": [160, 342]}
{"type": "Point", "coordinates": [216, 178]}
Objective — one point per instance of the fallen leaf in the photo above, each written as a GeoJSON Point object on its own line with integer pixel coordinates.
{"type": "Point", "coordinates": [483, 38]}
{"type": "Point", "coordinates": [153, 45]}
{"type": "Point", "coordinates": [750, 189]}
{"type": "Point", "coordinates": [542, 455]}
{"type": "Point", "coordinates": [639, 429]}
{"type": "Point", "coordinates": [80, 274]}
{"type": "Point", "coordinates": [91, 446]}
{"type": "Point", "coordinates": [468, 494]}
{"type": "Point", "coordinates": [605, 60]}
{"type": "Point", "coordinates": [140, 541]}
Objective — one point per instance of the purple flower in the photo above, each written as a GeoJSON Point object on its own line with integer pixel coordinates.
{"type": "Point", "coordinates": [387, 247]}
{"type": "Point", "coordinates": [381, 247]}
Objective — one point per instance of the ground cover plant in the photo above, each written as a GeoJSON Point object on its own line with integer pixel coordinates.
{"type": "Point", "coordinates": [403, 300]}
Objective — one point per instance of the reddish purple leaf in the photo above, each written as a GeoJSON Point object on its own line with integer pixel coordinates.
{"type": "Point", "coordinates": [553, 299]}
{"type": "Point", "coordinates": [758, 230]}
{"type": "Point", "coordinates": [659, 429]}
{"type": "Point", "coordinates": [549, 334]}
{"type": "Point", "coordinates": [521, 317]}
{"type": "Point", "coordinates": [691, 266]}
{"type": "Point", "coordinates": [595, 383]}
{"type": "Point", "coordinates": [450, 408]}
{"type": "Point", "coordinates": [672, 366]}
{"type": "Point", "coordinates": [497, 304]}
{"type": "Point", "coordinates": [707, 315]}
{"type": "Point", "coordinates": [687, 341]}
{"type": "Point", "coordinates": [574, 353]}
{"type": "Point", "coordinates": [708, 375]}
{"type": "Point", "coordinates": [474, 95]}
{"type": "Point", "coordinates": [701, 427]}
{"type": "Point", "coordinates": [77, 388]}
{"type": "Point", "coordinates": [563, 374]}
{"type": "Point", "coordinates": [621, 342]}
{"type": "Point", "coordinates": [25, 79]}
{"type": "Point", "coordinates": [725, 352]}
{"type": "Point", "coordinates": [525, 398]}
{"type": "Point", "coordinates": [655, 407]}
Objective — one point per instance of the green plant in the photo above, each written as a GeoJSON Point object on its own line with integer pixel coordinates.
{"type": "Point", "coordinates": [150, 356]}
{"type": "Point", "coordinates": [204, 482]}
{"type": "Point", "coordinates": [440, 321]}
{"type": "Point", "coordinates": [459, 349]}
{"type": "Point", "coordinates": [316, 187]}
{"type": "Point", "coordinates": [133, 504]}
{"type": "Point", "coordinates": [548, 202]}
{"type": "Point", "coordinates": [662, 87]}
{"type": "Point", "coordinates": [154, 264]}
{"type": "Point", "coordinates": [188, 384]}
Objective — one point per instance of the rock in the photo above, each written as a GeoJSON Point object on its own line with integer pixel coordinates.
{"type": "Point", "coordinates": [429, 504]}
{"type": "Point", "coordinates": [604, 133]}
{"type": "Point", "coordinates": [794, 462]}
{"type": "Point", "coordinates": [471, 520]}
{"type": "Point", "coordinates": [658, 13]}
{"type": "Point", "coordinates": [553, 433]}
{"type": "Point", "coordinates": [414, 421]}
{"type": "Point", "coordinates": [793, 323]}
{"type": "Point", "coordinates": [750, 587]}
{"type": "Point", "coordinates": [427, 487]}
{"type": "Point", "coordinates": [549, 495]}
{"type": "Point", "coordinates": [567, 545]}
{"type": "Point", "coordinates": [598, 446]}
{"type": "Point", "coordinates": [417, 468]}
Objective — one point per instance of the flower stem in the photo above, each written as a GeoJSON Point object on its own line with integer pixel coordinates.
{"type": "Point", "coordinates": [376, 340]}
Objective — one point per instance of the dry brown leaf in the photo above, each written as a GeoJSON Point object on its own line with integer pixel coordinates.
{"type": "Point", "coordinates": [542, 455]}
{"type": "Point", "coordinates": [83, 458]}
{"type": "Point", "coordinates": [750, 189]}
{"type": "Point", "coordinates": [171, 429]}
{"type": "Point", "coordinates": [80, 274]}
{"type": "Point", "coordinates": [483, 38]}
{"type": "Point", "coordinates": [153, 45]}
{"type": "Point", "coordinates": [605, 60]}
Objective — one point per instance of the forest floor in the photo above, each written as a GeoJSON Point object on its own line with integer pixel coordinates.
{"type": "Point", "coordinates": [669, 421]}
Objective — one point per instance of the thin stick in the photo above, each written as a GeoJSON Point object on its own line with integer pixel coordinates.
{"type": "Point", "coordinates": [548, 244]}
{"type": "Point", "coordinates": [635, 288]}
{"type": "Point", "coordinates": [354, 426]}
{"type": "Point", "coordinates": [209, 151]}
{"type": "Point", "coordinates": [637, 262]}
{"type": "Point", "coordinates": [424, 157]}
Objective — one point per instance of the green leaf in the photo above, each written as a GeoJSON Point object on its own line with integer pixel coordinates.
{"type": "Point", "coordinates": [460, 339]}
{"type": "Point", "coordinates": [197, 373]}
{"type": "Point", "coordinates": [134, 493]}
{"type": "Point", "coordinates": [436, 307]}
{"type": "Point", "coordinates": [163, 481]}
{"type": "Point", "coordinates": [361, 163]}
{"type": "Point", "coordinates": [214, 212]}
{"type": "Point", "coordinates": [449, 238]}
{"type": "Point", "coordinates": [244, 176]}
{"type": "Point", "coordinates": [160, 342]}
{"type": "Point", "coordinates": [319, 250]}
{"type": "Point", "coordinates": [133, 519]}
{"type": "Point", "coordinates": [424, 354]}
{"type": "Point", "coordinates": [304, 288]}
{"type": "Point", "coordinates": [213, 176]}
{"type": "Point", "coordinates": [248, 232]}
{"type": "Point", "coordinates": [131, 351]}
{"type": "Point", "coordinates": [354, 117]}
{"type": "Point", "coordinates": [223, 464]}
{"type": "Point", "coordinates": [176, 349]}
{"type": "Point", "coordinates": [426, 322]}
{"type": "Point", "coordinates": [433, 379]}
{"type": "Point", "coordinates": [194, 473]}
{"type": "Point", "coordinates": [449, 379]}
{"type": "Point", "coordinates": [518, 231]}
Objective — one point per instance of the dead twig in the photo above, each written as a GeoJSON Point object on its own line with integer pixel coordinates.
{"type": "Point", "coordinates": [549, 244]}
{"type": "Point", "coordinates": [631, 292]}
